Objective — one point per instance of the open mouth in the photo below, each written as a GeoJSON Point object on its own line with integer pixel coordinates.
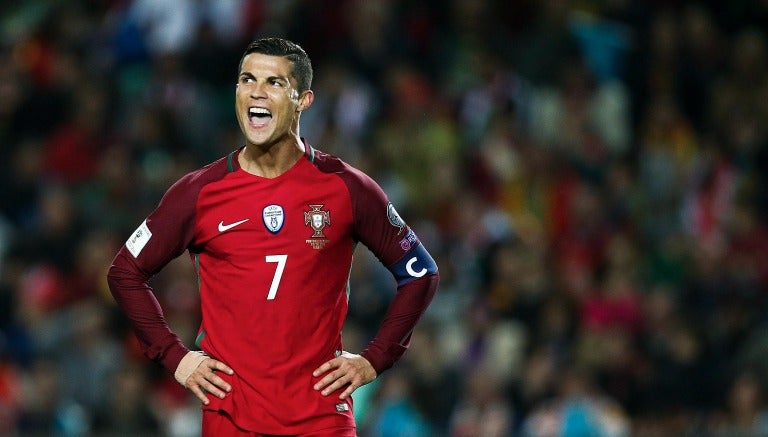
{"type": "Point", "coordinates": [259, 116]}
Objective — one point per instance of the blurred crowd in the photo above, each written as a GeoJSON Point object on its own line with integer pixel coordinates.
{"type": "Point", "coordinates": [588, 174]}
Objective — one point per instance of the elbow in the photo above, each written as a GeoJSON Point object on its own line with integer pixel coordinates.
{"type": "Point", "coordinates": [124, 275]}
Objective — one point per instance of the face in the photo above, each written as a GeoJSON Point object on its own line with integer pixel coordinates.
{"type": "Point", "coordinates": [267, 101]}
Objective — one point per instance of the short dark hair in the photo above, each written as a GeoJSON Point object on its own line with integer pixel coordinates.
{"type": "Point", "coordinates": [302, 66]}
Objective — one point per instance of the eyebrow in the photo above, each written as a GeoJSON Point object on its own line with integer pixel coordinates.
{"type": "Point", "coordinates": [248, 75]}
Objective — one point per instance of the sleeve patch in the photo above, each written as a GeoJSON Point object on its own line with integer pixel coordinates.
{"type": "Point", "coordinates": [394, 218]}
{"type": "Point", "coordinates": [138, 239]}
{"type": "Point", "coordinates": [413, 265]}
{"type": "Point", "coordinates": [410, 240]}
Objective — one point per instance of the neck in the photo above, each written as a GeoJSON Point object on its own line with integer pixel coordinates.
{"type": "Point", "coordinates": [271, 161]}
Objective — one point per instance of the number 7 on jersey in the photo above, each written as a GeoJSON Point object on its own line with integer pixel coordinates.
{"type": "Point", "coordinates": [280, 260]}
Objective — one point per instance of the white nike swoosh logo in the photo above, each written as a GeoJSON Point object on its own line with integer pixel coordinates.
{"type": "Point", "coordinates": [223, 227]}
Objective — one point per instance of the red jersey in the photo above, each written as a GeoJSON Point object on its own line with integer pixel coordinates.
{"type": "Point", "coordinates": [273, 257]}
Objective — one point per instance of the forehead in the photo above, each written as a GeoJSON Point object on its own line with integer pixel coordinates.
{"type": "Point", "coordinates": [266, 65]}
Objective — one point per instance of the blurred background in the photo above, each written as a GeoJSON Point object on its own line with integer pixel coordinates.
{"type": "Point", "coordinates": [589, 175]}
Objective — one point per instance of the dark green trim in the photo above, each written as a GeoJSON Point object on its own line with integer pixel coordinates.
{"type": "Point", "coordinates": [230, 165]}
{"type": "Point", "coordinates": [201, 335]}
{"type": "Point", "coordinates": [197, 270]}
{"type": "Point", "coordinates": [200, 338]}
{"type": "Point", "coordinates": [349, 275]}
{"type": "Point", "coordinates": [311, 154]}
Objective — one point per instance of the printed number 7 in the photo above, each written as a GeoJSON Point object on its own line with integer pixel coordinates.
{"type": "Point", "coordinates": [280, 260]}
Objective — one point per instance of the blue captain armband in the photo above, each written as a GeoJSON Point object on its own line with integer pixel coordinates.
{"type": "Point", "coordinates": [415, 264]}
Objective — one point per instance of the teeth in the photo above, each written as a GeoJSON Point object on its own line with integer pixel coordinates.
{"type": "Point", "coordinates": [258, 111]}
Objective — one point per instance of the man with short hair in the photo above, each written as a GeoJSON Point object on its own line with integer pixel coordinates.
{"type": "Point", "coordinates": [271, 229]}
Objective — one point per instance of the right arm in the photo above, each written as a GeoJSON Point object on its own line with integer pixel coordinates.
{"type": "Point", "coordinates": [163, 236]}
{"type": "Point", "coordinates": [129, 287]}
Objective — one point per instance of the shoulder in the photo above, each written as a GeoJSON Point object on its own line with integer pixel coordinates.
{"type": "Point", "coordinates": [355, 179]}
{"type": "Point", "coordinates": [191, 183]}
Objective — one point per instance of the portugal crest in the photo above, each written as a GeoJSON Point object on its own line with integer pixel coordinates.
{"type": "Point", "coordinates": [273, 217]}
{"type": "Point", "coordinates": [317, 220]}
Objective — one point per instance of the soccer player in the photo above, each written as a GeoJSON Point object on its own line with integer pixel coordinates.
{"type": "Point", "coordinates": [271, 229]}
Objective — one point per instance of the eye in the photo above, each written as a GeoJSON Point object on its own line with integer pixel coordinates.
{"type": "Point", "coordinates": [247, 79]}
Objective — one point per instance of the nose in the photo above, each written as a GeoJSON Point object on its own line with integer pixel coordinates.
{"type": "Point", "coordinates": [257, 90]}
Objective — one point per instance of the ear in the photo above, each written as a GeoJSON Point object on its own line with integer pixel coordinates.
{"type": "Point", "coordinates": [305, 100]}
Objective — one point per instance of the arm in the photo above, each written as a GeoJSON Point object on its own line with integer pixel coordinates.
{"type": "Point", "coordinates": [394, 335]}
{"type": "Point", "coordinates": [192, 369]}
{"type": "Point", "coordinates": [394, 243]}
{"type": "Point", "coordinates": [129, 287]}
{"type": "Point", "coordinates": [381, 229]}
{"type": "Point", "coordinates": [407, 307]}
{"type": "Point", "coordinates": [163, 236]}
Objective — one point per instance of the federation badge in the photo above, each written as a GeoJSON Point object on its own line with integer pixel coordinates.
{"type": "Point", "coordinates": [317, 220]}
{"type": "Point", "coordinates": [274, 217]}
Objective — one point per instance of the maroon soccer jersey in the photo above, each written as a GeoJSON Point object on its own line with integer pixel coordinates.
{"type": "Point", "coordinates": [273, 257]}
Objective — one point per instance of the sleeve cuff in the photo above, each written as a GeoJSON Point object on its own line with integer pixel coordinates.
{"type": "Point", "coordinates": [382, 360]}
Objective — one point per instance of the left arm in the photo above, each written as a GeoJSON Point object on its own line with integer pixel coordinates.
{"type": "Point", "coordinates": [381, 229]}
{"type": "Point", "coordinates": [389, 344]}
